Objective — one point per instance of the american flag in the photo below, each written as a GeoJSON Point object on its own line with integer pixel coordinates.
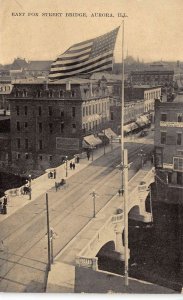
{"type": "Point", "coordinates": [86, 57]}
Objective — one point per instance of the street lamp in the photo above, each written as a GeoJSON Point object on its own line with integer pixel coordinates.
{"type": "Point", "coordinates": [94, 194]}
{"type": "Point", "coordinates": [30, 192]}
{"type": "Point", "coordinates": [142, 155]}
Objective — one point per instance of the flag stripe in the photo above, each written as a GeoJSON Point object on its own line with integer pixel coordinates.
{"type": "Point", "coordinates": [62, 69]}
{"type": "Point", "coordinates": [70, 55]}
{"type": "Point", "coordinates": [99, 69]}
{"type": "Point", "coordinates": [77, 62]}
{"type": "Point", "coordinates": [86, 69]}
{"type": "Point", "coordinates": [79, 48]}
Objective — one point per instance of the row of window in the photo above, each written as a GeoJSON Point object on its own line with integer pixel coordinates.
{"type": "Point", "coordinates": [95, 108]}
{"type": "Point", "coordinates": [152, 95]}
{"type": "Point", "coordinates": [164, 117]}
{"type": "Point", "coordinates": [40, 93]}
{"type": "Point", "coordinates": [27, 156]}
{"type": "Point", "coordinates": [50, 111]}
{"type": "Point", "coordinates": [50, 126]}
{"type": "Point", "coordinates": [164, 138]}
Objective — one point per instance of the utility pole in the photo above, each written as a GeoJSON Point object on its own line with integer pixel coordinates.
{"type": "Point", "coordinates": [48, 233]}
{"type": "Point", "coordinates": [124, 163]}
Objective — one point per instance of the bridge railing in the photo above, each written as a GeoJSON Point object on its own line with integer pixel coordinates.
{"type": "Point", "coordinates": [87, 262]}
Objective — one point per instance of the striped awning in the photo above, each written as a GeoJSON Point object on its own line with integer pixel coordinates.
{"type": "Point", "coordinates": [109, 133]}
{"type": "Point", "coordinates": [91, 140]}
{"type": "Point", "coordinates": [130, 127]}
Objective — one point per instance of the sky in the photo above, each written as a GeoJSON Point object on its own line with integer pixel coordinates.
{"type": "Point", "coordinates": [153, 28]}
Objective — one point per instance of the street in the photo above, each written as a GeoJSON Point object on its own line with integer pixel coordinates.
{"type": "Point", "coordinates": [23, 248]}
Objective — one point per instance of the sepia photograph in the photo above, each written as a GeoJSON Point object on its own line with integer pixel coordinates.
{"type": "Point", "coordinates": [91, 146]}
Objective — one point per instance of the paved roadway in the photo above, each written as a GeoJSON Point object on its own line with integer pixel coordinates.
{"type": "Point", "coordinates": [23, 253]}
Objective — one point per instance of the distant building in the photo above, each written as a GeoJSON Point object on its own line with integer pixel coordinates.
{"type": "Point", "coordinates": [169, 147]}
{"type": "Point", "coordinates": [5, 91]}
{"type": "Point", "coordinates": [38, 68]}
{"type": "Point", "coordinates": [51, 120]}
{"type": "Point", "coordinates": [153, 77]}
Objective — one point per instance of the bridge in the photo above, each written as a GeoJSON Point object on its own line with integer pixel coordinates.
{"type": "Point", "coordinates": [106, 226]}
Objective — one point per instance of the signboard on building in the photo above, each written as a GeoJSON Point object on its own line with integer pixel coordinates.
{"type": "Point", "coordinates": [67, 143]}
{"type": "Point", "coordinates": [171, 124]}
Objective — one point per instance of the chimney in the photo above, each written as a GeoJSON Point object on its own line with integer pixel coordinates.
{"type": "Point", "coordinates": [68, 86]}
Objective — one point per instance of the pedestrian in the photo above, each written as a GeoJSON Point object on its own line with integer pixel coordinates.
{"type": "Point", "coordinates": [77, 159]}
{"type": "Point", "coordinates": [5, 200]}
{"type": "Point", "coordinates": [71, 165]}
{"type": "Point", "coordinates": [54, 173]}
{"type": "Point", "coordinates": [88, 155]}
{"type": "Point", "coordinates": [119, 192]}
{"type": "Point", "coordinates": [4, 209]}
{"type": "Point", "coordinates": [1, 208]}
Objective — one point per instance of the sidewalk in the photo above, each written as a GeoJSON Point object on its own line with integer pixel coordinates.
{"type": "Point", "coordinates": [42, 184]}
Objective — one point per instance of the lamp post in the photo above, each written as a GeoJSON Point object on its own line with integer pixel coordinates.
{"type": "Point", "coordinates": [142, 155]}
{"type": "Point", "coordinates": [124, 163]}
{"type": "Point", "coordinates": [94, 194]}
{"type": "Point", "coordinates": [66, 173]}
{"type": "Point", "coordinates": [30, 191]}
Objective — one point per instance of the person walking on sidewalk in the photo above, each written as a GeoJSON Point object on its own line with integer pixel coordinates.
{"type": "Point", "coordinates": [77, 159]}
{"type": "Point", "coordinates": [88, 155]}
{"type": "Point", "coordinates": [71, 165]}
{"type": "Point", "coordinates": [5, 200]}
{"type": "Point", "coordinates": [54, 173]}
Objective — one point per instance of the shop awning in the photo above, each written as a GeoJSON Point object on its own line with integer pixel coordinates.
{"type": "Point", "coordinates": [130, 127]}
{"type": "Point", "coordinates": [91, 140]}
{"type": "Point", "coordinates": [142, 120]}
{"type": "Point", "coordinates": [109, 133]}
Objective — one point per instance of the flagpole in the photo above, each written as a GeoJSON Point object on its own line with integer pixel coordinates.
{"type": "Point", "coordinates": [124, 163]}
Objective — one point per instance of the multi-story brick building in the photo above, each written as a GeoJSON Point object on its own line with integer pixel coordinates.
{"type": "Point", "coordinates": [153, 77]}
{"type": "Point", "coordinates": [169, 146]}
{"type": "Point", "coordinates": [50, 120]}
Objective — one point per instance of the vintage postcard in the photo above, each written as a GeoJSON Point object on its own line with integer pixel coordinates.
{"type": "Point", "coordinates": [91, 146]}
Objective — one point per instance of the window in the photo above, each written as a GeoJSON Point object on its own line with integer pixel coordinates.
{"type": "Point", "coordinates": [89, 110]}
{"type": "Point", "coordinates": [50, 110]}
{"type": "Point", "coordinates": [62, 127]}
{"type": "Point", "coordinates": [40, 127]}
{"type": "Point", "coordinates": [163, 138]}
{"type": "Point", "coordinates": [18, 143]}
{"type": "Point", "coordinates": [62, 113]}
{"type": "Point", "coordinates": [83, 111]}
{"type": "Point", "coordinates": [40, 144]}
{"type": "Point", "coordinates": [61, 93]}
{"type": "Point", "coordinates": [40, 157]}
{"type": "Point", "coordinates": [17, 110]}
{"type": "Point", "coordinates": [164, 117]}
{"type": "Point", "coordinates": [18, 155]}
{"type": "Point", "coordinates": [179, 138]}
{"type": "Point", "coordinates": [26, 143]}
{"type": "Point", "coordinates": [112, 116]}
{"type": "Point", "coordinates": [179, 178]}
{"type": "Point", "coordinates": [93, 109]}
{"type": "Point", "coordinates": [25, 125]}
{"type": "Point", "coordinates": [38, 93]}
{"type": "Point", "coordinates": [18, 126]}
{"type": "Point", "coordinates": [50, 93]}
{"type": "Point", "coordinates": [86, 110]}
{"type": "Point", "coordinates": [73, 93]}
{"type": "Point", "coordinates": [73, 128]}
{"type": "Point", "coordinates": [73, 111]}
{"type": "Point", "coordinates": [26, 155]}
{"type": "Point", "coordinates": [50, 158]}
{"type": "Point", "coordinates": [24, 93]}
{"type": "Point", "coordinates": [96, 108]}
{"type": "Point", "coordinates": [51, 127]}
{"type": "Point", "coordinates": [179, 118]}
{"type": "Point", "coordinates": [178, 164]}
{"type": "Point", "coordinates": [39, 110]}
{"type": "Point", "coordinates": [25, 110]}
